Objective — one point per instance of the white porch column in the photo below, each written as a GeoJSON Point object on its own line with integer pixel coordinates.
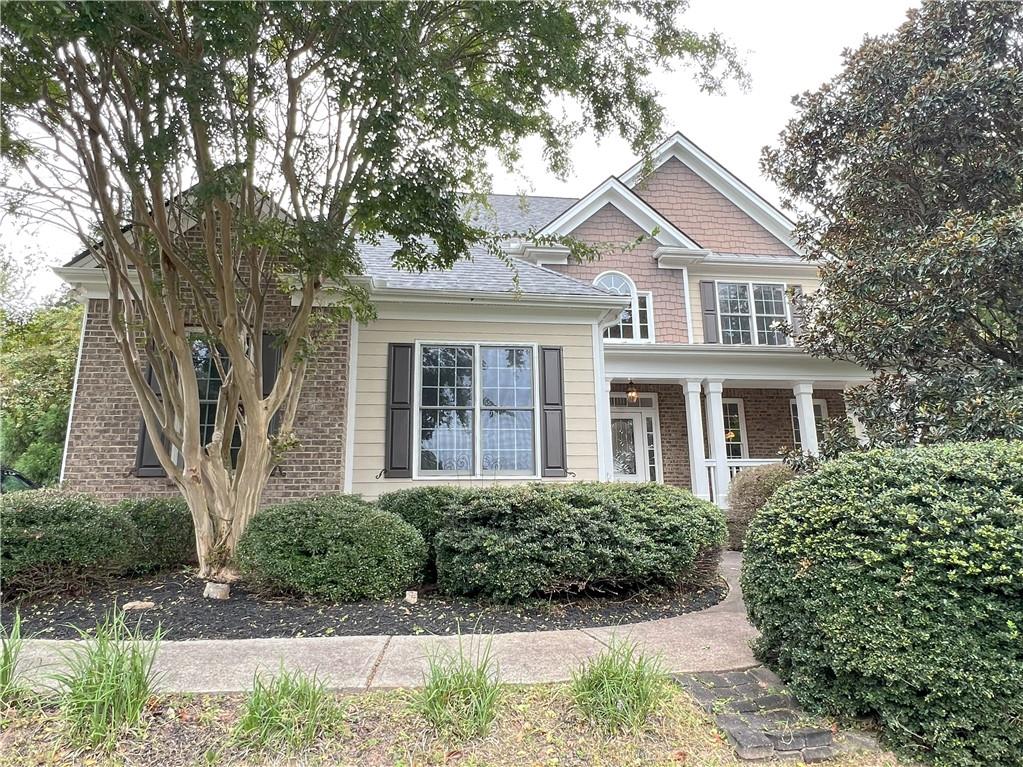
{"type": "Point", "coordinates": [694, 428]}
{"type": "Point", "coordinates": [605, 453]}
{"type": "Point", "coordinates": [718, 451]}
{"type": "Point", "coordinates": [807, 422]}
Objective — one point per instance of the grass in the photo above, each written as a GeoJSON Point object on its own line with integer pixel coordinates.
{"type": "Point", "coordinates": [289, 710]}
{"type": "Point", "coordinates": [108, 682]}
{"type": "Point", "coordinates": [461, 691]}
{"type": "Point", "coordinates": [11, 643]}
{"type": "Point", "coordinates": [619, 688]}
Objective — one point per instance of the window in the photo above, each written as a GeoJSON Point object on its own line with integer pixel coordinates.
{"type": "Point", "coordinates": [750, 313]}
{"type": "Point", "coordinates": [636, 322]}
{"type": "Point", "coordinates": [820, 415]}
{"type": "Point", "coordinates": [735, 429]}
{"type": "Point", "coordinates": [477, 410]}
{"type": "Point", "coordinates": [207, 376]}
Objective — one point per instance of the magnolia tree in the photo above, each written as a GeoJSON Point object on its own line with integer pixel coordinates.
{"type": "Point", "coordinates": [218, 157]}
{"type": "Point", "coordinates": [909, 164]}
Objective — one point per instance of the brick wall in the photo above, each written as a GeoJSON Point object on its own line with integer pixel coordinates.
{"type": "Point", "coordinates": [105, 423]}
{"type": "Point", "coordinates": [706, 215]}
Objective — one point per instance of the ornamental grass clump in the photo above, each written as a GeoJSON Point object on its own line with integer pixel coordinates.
{"type": "Point", "coordinates": [461, 691]}
{"type": "Point", "coordinates": [288, 710]}
{"type": "Point", "coordinates": [889, 584]}
{"type": "Point", "coordinates": [11, 644]}
{"type": "Point", "coordinates": [108, 682]}
{"type": "Point", "coordinates": [619, 688]}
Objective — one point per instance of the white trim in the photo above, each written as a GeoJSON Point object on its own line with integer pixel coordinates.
{"type": "Point", "coordinates": [601, 387]}
{"type": "Point", "coordinates": [74, 392]}
{"type": "Point", "coordinates": [353, 372]}
{"type": "Point", "coordinates": [793, 404]}
{"type": "Point", "coordinates": [679, 258]}
{"type": "Point", "coordinates": [679, 147]}
{"type": "Point", "coordinates": [634, 294]}
{"type": "Point", "coordinates": [789, 341]}
{"type": "Point", "coordinates": [630, 205]}
{"type": "Point", "coordinates": [644, 412]}
{"type": "Point", "coordinates": [744, 444]}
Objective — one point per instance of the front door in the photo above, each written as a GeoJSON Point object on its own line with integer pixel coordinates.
{"type": "Point", "coordinates": [627, 447]}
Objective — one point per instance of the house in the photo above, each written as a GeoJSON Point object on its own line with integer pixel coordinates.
{"type": "Point", "coordinates": [660, 361]}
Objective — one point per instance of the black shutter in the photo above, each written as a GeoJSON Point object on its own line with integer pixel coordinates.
{"type": "Point", "coordinates": [797, 294]}
{"type": "Point", "coordinates": [553, 461]}
{"type": "Point", "coordinates": [146, 462]}
{"type": "Point", "coordinates": [709, 301]}
{"type": "Point", "coordinates": [398, 434]}
{"type": "Point", "coordinates": [271, 363]}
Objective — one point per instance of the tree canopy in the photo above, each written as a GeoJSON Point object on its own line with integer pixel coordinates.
{"type": "Point", "coordinates": [909, 165]}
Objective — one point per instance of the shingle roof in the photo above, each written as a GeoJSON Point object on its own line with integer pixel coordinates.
{"type": "Point", "coordinates": [519, 213]}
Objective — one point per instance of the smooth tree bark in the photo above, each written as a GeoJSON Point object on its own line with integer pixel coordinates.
{"type": "Point", "coordinates": [222, 162]}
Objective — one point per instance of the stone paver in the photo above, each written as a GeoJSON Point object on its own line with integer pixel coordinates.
{"type": "Point", "coordinates": [714, 639]}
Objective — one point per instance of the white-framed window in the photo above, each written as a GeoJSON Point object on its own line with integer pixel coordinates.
{"type": "Point", "coordinates": [820, 415]}
{"type": "Point", "coordinates": [735, 429]}
{"type": "Point", "coordinates": [751, 313]}
{"type": "Point", "coordinates": [476, 407]}
{"type": "Point", "coordinates": [635, 323]}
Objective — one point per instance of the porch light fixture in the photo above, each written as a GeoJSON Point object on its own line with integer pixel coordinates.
{"type": "Point", "coordinates": [632, 393]}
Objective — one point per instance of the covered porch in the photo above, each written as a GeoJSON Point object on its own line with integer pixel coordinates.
{"type": "Point", "coordinates": [699, 415]}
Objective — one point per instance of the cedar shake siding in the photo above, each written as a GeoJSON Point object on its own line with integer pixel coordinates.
{"type": "Point", "coordinates": [706, 215]}
{"type": "Point", "coordinates": [104, 429]}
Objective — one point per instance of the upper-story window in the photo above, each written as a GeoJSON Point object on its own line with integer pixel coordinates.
{"type": "Point", "coordinates": [752, 312]}
{"type": "Point", "coordinates": [635, 323]}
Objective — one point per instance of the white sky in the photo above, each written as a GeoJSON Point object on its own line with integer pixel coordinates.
{"type": "Point", "coordinates": [789, 46]}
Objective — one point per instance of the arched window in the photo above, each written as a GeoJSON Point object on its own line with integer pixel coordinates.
{"type": "Point", "coordinates": [636, 322]}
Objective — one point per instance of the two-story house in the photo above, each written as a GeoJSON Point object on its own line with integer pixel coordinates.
{"type": "Point", "coordinates": [660, 361]}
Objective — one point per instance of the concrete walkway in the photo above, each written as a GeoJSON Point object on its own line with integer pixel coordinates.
{"type": "Point", "coordinates": [715, 639]}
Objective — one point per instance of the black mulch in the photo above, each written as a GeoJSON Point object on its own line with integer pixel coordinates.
{"type": "Point", "coordinates": [183, 613]}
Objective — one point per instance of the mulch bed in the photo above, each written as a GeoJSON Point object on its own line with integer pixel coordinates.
{"type": "Point", "coordinates": [182, 612]}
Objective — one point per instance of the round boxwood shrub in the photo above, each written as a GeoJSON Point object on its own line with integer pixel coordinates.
{"type": "Point", "coordinates": [890, 584]}
{"type": "Point", "coordinates": [52, 540]}
{"type": "Point", "coordinates": [166, 533]}
{"type": "Point", "coordinates": [748, 493]}
{"type": "Point", "coordinates": [425, 508]}
{"type": "Point", "coordinates": [507, 543]}
{"type": "Point", "coordinates": [334, 547]}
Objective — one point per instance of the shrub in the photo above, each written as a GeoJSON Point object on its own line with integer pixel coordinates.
{"type": "Point", "coordinates": [165, 530]}
{"type": "Point", "coordinates": [461, 690]}
{"type": "Point", "coordinates": [619, 688]}
{"type": "Point", "coordinates": [290, 710]}
{"type": "Point", "coordinates": [425, 508]}
{"type": "Point", "coordinates": [749, 491]}
{"type": "Point", "coordinates": [52, 539]}
{"type": "Point", "coordinates": [333, 547]}
{"type": "Point", "coordinates": [890, 583]}
{"type": "Point", "coordinates": [512, 542]}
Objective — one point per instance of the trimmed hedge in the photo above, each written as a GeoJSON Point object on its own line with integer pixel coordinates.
{"type": "Point", "coordinates": [890, 583]}
{"type": "Point", "coordinates": [513, 542]}
{"type": "Point", "coordinates": [52, 539]}
{"type": "Point", "coordinates": [425, 508]}
{"type": "Point", "coordinates": [332, 547]}
{"type": "Point", "coordinates": [748, 493]}
{"type": "Point", "coordinates": [166, 533]}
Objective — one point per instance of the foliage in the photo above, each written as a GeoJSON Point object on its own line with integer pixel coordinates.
{"type": "Point", "coordinates": [286, 134]}
{"type": "Point", "coordinates": [425, 508]}
{"type": "Point", "coordinates": [53, 539]}
{"type": "Point", "coordinates": [750, 490]}
{"type": "Point", "coordinates": [11, 645]}
{"type": "Point", "coordinates": [38, 350]}
{"type": "Point", "coordinates": [890, 583]}
{"type": "Point", "coordinates": [108, 682]}
{"type": "Point", "coordinates": [511, 542]}
{"type": "Point", "coordinates": [908, 163]}
{"type": "Point", "coordinates": [619, 688]}
{"type": "Point", "coordinates": [165, 533]}
{"type": "Point", "coordinates": [461, 690]}
{"type": "Point", "coordinates": [332, 547]}
{"type": "Point", "coordinates": [291, 709]}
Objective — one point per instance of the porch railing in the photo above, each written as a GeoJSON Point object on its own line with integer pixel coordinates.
{"type": "Point", "coordinates": [735, 466]}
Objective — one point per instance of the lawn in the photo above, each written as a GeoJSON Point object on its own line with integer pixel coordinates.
{"type": "Point", "coordinates": [536, 725]}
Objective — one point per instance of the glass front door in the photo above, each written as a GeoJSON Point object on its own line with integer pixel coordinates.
{"type": "Point", "coordinates": [626, 446]}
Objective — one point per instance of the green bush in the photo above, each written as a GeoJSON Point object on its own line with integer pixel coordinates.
{"type": "Point", "coordinates": [749, 492]}
{"type": "Point", "coordinates": [511, 542]}
{"type": "Point", "coordinates": [890, 584]}
{"type": "Point", "coordinates": [425, 508]}
{"type": "Point", "coordinates": [52, 539]}
{"type": "Point", "coordinates": [334, 547]}
{"type": "Point", "coordinates": [165, 530]}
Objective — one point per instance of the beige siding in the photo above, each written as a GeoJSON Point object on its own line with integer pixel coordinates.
{"type": "Point", "coordinates": [576, 341]}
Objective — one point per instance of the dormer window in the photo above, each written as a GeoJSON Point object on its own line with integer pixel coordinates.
{"type": "Point", "coordinates": [635, 323]}
{"type": "Point", "coordinates": [752, 313]}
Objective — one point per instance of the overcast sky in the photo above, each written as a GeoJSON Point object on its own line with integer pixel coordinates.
{"type": "Point", "coordinates": [789, 46]}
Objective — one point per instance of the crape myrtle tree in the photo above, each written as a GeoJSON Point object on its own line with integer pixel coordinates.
{"type": "Point", "coordinates": [909, 165]}
{"type": "Point", "coordinates": [278, 136]}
